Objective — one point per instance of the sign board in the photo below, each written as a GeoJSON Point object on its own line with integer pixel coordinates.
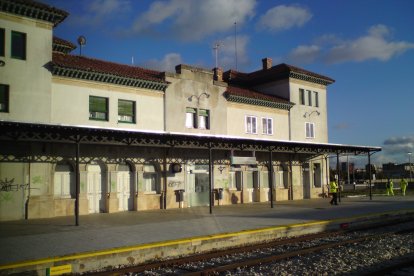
{"type": "Point", "coordinates": [240, 160]}
{"type": "Point", "coordinates": [59, 270]}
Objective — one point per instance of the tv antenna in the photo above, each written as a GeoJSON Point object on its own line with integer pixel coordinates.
{"type": "Point", "coordinates": [235, 42]}
{"type": "Point", "coordinates": [216, 48]}
{"type": "Point", "coordinates": [81, 42]}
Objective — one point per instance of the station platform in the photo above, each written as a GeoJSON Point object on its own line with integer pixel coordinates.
{"type": "Point", "coordinates": [127, 238]}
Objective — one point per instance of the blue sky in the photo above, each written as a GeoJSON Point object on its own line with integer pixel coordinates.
{"type": "Point", "coordinates": [367, 46]}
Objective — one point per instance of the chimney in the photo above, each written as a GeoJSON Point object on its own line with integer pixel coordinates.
{"type": "Point", "coordinates": [267, 63]}
{"type": "Point", "coordinates": [218, 74]}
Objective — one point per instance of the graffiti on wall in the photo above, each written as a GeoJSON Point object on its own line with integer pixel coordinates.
{"type": "Point", "coordinates": [9, 186]}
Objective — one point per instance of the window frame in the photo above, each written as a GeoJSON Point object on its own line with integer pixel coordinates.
{"type": "Point", "coordinates": [190, 112]}
{"type": "Point", "coordinates": [203, 113]}
{"type": "Point", "coordinates": [265, 129]}
{"type": "Point", "coordinates": [131, 114]}
{"type": "Point", "coordinates": [302, 96]}
{"type": "Point", "coordinates": [106, 111]}
{"type": "Point", "coordinates": [250, 130]}
{"type": "Point", "coordinates": [309, 97]}
{"type": "Point", "coordinates": [2, 42]}
{"type": "Point", "coordinates": [316, 96]}
{"type": "Point", "coordinates": [310, 130]}
{"type": "Point", "coordinates": [4, 98]}
{"type": "Point", "coordinates": [15, 47]}
{"type": "Point", "coordinates": [151, 181]}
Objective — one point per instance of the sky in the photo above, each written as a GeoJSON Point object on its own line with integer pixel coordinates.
{"type": "Point", "coordinates": [366, 46]}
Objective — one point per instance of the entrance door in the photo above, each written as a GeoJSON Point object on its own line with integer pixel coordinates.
{"type": "Point", "coordinates": [198, 186]}
{"type": "Point", "coordinates": [306, 181]}
{"type": "Point", "coordinates": [94, 188]}
{"type": "Point", "coordinates": [124, 190]}
{"type": "Point", "coordinates": [252, 186]}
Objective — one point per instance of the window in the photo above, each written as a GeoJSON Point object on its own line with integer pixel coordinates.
{"type": "Point", "coordinates": [302, 96]}
{"type": "Point", "coordinates": [18, 45]}
{"type": "Point", "coordinates": [267, 125]}
{"type": "Point", "coordinates": [98, 108]}
{"type": "Point", "coordinates": [2, 42]}
{"type": "Point", "coordinates": [251, 125]}
{"type": "Point", "coordinates": [203, 119]}
{"type": "Point", "coordinates": [150, 179]}
{"type": "Point", "coordinates": [126, 111]}
{"type": "Point", "coordinates": [309, 97]}
{"type": "Point", "coordinates": [4, 98]}
{"type": "Point", "coordinates": [310, 130]}
{"type": "Point", "coordinates": [316, 96]}
{"type": "Point", "coordinates": [197, 118]}
{"type": "Point", "coordinates": [190, 114]}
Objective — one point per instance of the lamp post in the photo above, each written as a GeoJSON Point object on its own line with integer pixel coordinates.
{"type": "Point", "coordinates": [409, 162]}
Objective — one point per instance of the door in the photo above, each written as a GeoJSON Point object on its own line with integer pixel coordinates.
{"type": "Point", "coordinates": [306, 180]}
{"type": "Point", "coordinates": [198, 186]}
{"type": "Point", "coordinates": [124, 190]}
{"type": "Point", "coordinates": [94, 188]}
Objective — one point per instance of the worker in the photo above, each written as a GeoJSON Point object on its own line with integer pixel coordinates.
{"type": "Point", "coordinates": [403, 185]}
{"type": "Point", "coordinates": [333, 189]}
{"type": "Point", "coordinates": [391, 188]}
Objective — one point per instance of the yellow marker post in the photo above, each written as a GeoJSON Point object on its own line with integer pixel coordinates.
{"type": "Point", "coordinates": [59, 270]}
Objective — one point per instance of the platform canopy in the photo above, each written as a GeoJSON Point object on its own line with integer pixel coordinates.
{"type": "Point", "coordinates": [31, 132]}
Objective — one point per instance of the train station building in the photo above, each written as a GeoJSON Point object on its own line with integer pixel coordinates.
{"type": "Point", "coordinates": [80, 135]}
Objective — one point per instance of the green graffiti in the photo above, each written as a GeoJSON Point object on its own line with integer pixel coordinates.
{"type": "Point", "coordinates": [113, 186]}
{"type": "Point", "coordinates": [225, 183]}
{"type": "Point", "coordinates": [6, 197]}
{"type": "Point", "coordinates": [82, 186]}
{"type": "Point", "coordinates": [140, 186]}
{"type": "Point", "coordinates": [37, 180]}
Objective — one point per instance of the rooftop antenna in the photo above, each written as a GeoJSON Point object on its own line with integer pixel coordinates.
{"type": "Point", "coordinates": [132, 60]}
{"type": "Point", "coordinates": [235, 42]}
{"type": "Point", "coordinates": [81, 42]}
{"type": "Point", "coordinates": [216, 48]}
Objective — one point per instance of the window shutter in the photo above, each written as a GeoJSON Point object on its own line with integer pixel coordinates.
{"type": "Point", "coordinates": [97, 104]}
{"type": "Point", "coordinates": [125, 108]}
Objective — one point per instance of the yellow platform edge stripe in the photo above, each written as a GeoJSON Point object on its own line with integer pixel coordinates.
{"type": "Point", "coordinates": [194, 239]}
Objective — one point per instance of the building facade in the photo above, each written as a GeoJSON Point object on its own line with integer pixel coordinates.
{"type": "Point", "coordinates": [44, 85]}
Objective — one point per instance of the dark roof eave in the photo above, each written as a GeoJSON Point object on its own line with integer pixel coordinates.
{"type": "Point", "coordinates": [107, 78]}
{"type": "Point", "coordinates": [35, 10]}
{"type": "Point", "coordinates": [258, 102]}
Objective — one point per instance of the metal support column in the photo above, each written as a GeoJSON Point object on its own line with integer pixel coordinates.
{"type": "Point", "coordinates": [210, 177]}
{"type": "Point", "coordinates": [339, 177]}
{"type": "Point", "coordinates": [271, 178]}
{"type": "Point", "coordinates": [77, 190]}
{"type": "Point", "coordinates": [369, 172]}
{"type": "Point", "coordinates": [290, 191]}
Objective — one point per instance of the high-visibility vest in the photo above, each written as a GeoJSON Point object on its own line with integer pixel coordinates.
{"type": "Point", "coordinates": [403, 182]}
{"type": "Point", "coordinates": [333, 187]}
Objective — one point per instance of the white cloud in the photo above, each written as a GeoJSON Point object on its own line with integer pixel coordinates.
{"type": "Point", "coordinates": [192, 20]}
{"type": "Point", "coordinates": [304, 54]}
{"type": "Point", "coordinates": [97, 12]}
{"type": "Point", "coordinates": [284, 17]}
{"type": "Point", "coordinates": [168, 63]}
{"type": "Point", "coordinates": [226, 52]}
{"type": "Point", "coordinates": [376, 44]}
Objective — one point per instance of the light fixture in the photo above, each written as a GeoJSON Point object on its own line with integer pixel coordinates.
{"type": "Point", "coordinates": [190, 99]}
{"type": "Point", "coordinates": [81, 42]}
{"type": "Point", "coordinates": [308, 114]}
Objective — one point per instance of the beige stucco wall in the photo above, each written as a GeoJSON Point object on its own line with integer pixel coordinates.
{"type": "Point", "coordinates": [29, 80]}
{"type": "Point", "coordinates": [236, 121]}
{"type": "Point", "coordinates": [70, 104]}
{"type": "Point", "coordinates": [186, 90]}
{"type": "Point", "coordinates": [297, 113]}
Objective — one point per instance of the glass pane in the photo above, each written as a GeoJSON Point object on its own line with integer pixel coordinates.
{"type": "Point", "coordinates": [4, 97]}
{"type": "Point", "coordinates": [264, 123]}
{"type": "Point", "coordinates": [270, 126]}
{"type": "Point", "coordinates": [18, 45]}
{"type": "Point", "coordinates": [189, 120]}
{"type": "Point", "coordinates": [254, 130]}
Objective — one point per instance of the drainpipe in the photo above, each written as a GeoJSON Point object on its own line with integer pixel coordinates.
{"type": "Point", "coordinates": [271, 177]}
{"type": "Point", "coordinates": [77, 190]}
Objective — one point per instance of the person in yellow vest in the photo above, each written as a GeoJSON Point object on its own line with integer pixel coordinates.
{"type": "Point", "coordinates": [333, 189]}
{"type": "Point", "coordinates": [403, 185]}
{"type": "Point", "coordinates": [390, 190]}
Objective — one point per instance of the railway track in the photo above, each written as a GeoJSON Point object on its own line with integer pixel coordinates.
{"type": "Point", "coordinates": [235, 260]}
